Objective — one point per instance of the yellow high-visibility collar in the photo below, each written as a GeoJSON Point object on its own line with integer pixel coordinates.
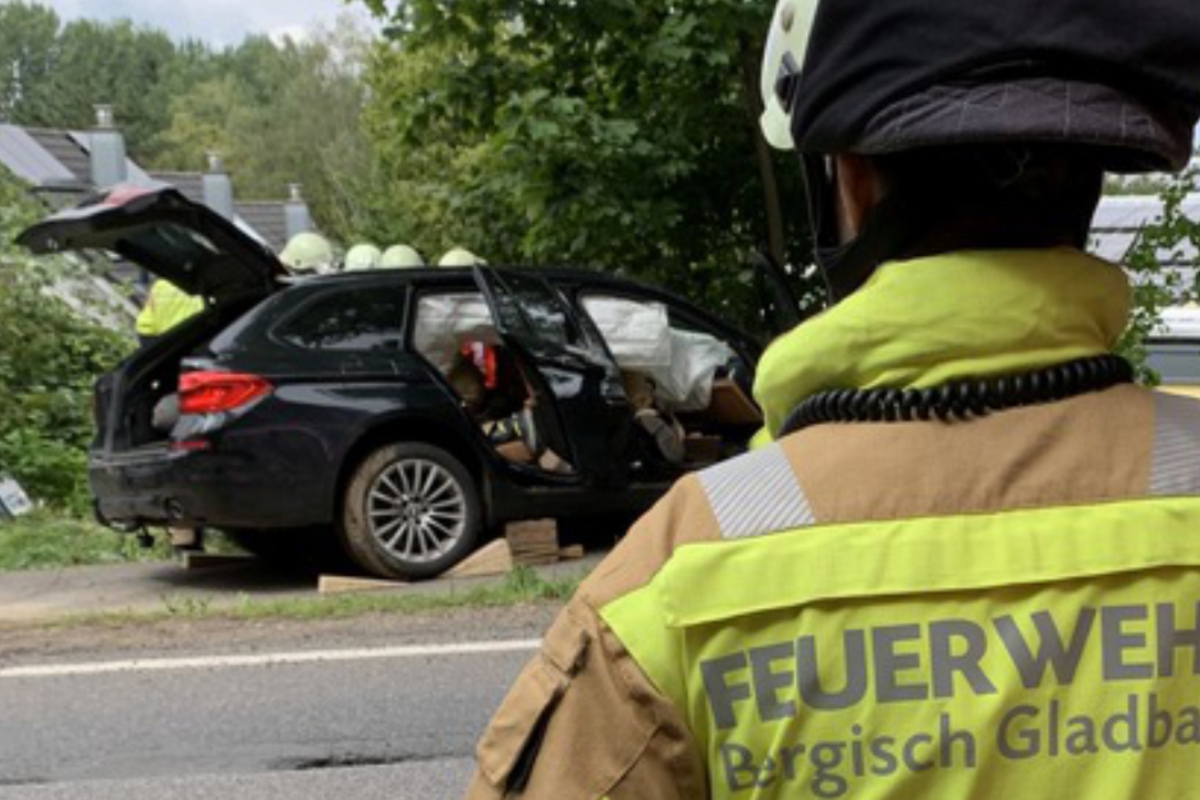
{"type": "Point", "coordinates": [928, 321]}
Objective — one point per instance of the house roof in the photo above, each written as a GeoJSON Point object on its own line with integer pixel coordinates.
{"type": "Point", "coordinates": [190, 184]}
{"type": "Point", "coordinates": [268, 219]}
{"type": "Point", "coordinates": [58, 146]}
{"type": "Point", "coordinates": [57, 161]}
{"type": "Point", "coordinates": [31, 160]}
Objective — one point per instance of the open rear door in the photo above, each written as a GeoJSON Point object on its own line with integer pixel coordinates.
{"type": "Point", "coordinates": [162, 231]}
{"type": "Point", "coordinates": [580, 407]}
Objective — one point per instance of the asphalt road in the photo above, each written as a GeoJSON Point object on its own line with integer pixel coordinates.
{"type": "Point", "coordinates": [355, 712]}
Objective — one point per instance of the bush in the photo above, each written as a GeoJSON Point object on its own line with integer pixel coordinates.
{"type": "Point", "coordinates": [1170, 237]}
{"type": "Point", "coordinates": [49, 358]}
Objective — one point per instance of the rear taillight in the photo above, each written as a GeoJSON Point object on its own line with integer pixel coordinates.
{"type": "Point", "coordinates": [215, 392]}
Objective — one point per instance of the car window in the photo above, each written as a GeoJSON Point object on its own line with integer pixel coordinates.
{"type": "Point", "coordinates": [528, 306]}
{"type": "Point", "coordinates": [446, 321]}
{"type": "Point", "coordinates": [168, 245]}
{"type": "Point", "coordinates": [359, 319]}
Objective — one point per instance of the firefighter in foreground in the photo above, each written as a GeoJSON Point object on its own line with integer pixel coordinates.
{"type": "Point", "coordinates": [964, 561]}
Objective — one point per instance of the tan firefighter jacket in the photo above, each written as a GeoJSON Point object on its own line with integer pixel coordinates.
{"type": "Point", "coordinates": [1005, 607]}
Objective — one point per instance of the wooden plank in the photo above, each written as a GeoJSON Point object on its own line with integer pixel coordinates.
{"type": "Point", "coordinates": [343, 584]}
{"type": "Point", "coordinates": [196, 560]}
{"type": "Point", "coordinates": [532, 532]}
{"type": "Point", "coordinates": [572, 553]}
{"type": "Point", "coordinates": [533, 542]}
{"type": "Point", "coordinates": [494, 559]}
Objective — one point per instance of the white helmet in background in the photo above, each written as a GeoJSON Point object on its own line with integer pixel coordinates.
{"type": "Point", "coordinates": [308, 253]}
{"type": "Point", "coordinates": [363, 257]}
{"type": "Point", "coordinates": [461, 257]}
{"type": "Point", "coordinates": [401, 256]}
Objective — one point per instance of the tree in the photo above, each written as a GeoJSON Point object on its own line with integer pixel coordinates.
{"type": "Point", "coordinates": [28, 48]}
{"type": "Point", "coordinates": [199, 123]}
{"type": "Point", "coordinates": [617, 133]}
{"type": "Point", "coordinates": [55, 75]}
{"type": "Point", "coordinates": [281, 114]}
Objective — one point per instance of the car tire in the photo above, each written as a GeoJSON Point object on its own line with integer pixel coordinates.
{"type": "Point", "coordinates": [410, 512]}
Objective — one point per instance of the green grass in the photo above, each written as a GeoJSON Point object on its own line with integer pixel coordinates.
{"type": "Point", "coordinates": [45, 540]}
{"type": "Point", "coordinates": [520, 587]}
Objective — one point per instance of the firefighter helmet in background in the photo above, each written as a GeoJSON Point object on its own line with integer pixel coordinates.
{"type": "Point", "coordinates": [401, 256]}
{"type": "Point", "coordinates": [460, 257]}
{"type": "Point", "coordinates": [362, 257]}
{"type": "Point", "coordinates": [308, 253]}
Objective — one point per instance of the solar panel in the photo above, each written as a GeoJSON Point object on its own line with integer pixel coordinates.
{"type": "Point", "coordinates": [28, 160]}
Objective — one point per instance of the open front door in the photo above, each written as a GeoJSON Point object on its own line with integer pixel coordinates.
{"type": "Point", "coordinates": [779, 306]}
{"type": "Point", "coordinates": [579, 405]}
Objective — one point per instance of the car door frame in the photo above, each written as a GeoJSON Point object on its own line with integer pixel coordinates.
{"type": "Point", "coordinates": [578, 395]}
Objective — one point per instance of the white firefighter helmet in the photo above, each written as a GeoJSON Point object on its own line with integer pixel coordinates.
{"type": "Point", "coordinates": [308, 253]}
{"type": "Point", "coordinates": [401, 256]}
{"type": "Point", "coordinates": [362, 257]}
{"type": "Point", "coordinates": [460, 257]}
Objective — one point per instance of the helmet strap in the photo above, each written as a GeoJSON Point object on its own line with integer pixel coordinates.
{"type": "Point", "coordinates": [914, 222]}
{"type": "Point", "coordinates": [887, 229]}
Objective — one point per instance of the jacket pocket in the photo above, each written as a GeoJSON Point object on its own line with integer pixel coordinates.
{"type": "Point", "coordinates": [509, 746]}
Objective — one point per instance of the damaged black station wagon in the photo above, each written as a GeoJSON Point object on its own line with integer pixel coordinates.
{"type": "Point", "coordinates": [411, 411]}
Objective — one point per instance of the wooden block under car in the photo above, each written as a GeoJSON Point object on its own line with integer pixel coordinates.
{"type": "Point", "coordinates": [197, 560]}
{"type": "Point", "coordinates": [534, 542]}
{"type": "Point", "coordinates": [495, 558]}
{"type": "Point", "coordinates": [343, 584]}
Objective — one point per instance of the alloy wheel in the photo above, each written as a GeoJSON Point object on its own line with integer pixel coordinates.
{"type": "Point", "coordinates": [416, 510]}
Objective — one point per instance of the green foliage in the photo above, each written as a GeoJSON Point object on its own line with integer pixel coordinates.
{"type": "Point", "coordinates": [50, 541]}
{"type": "Point", "coordinates": [63, 70]}
{"type": "Point", "coordinates": [620, 134]}
{"type": "Point", "coordinates": [1155, 288]}
{"type": "Point", "coordinates": [49, 357]}
{"type": "Point", "coordinates": [279, 114]}
{"type": "Point", "coordinates": [522, 587]}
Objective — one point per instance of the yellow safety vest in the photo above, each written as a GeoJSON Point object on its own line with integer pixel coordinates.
{"type": "Point", "coordinates": [167, 306]}
{"type": "Point", "coordinates": [1050, 652]}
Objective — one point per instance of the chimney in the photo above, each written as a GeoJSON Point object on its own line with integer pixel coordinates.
{"type": "Point", "coordinates": [296, 212]}
{"type": "Point", "coordinates": [218, 187]}
{"type": "Point", "coordinates": [107, 150]}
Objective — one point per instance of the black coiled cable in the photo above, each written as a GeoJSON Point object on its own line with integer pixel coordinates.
{"type": "Point", "coordinates": [960, 400]}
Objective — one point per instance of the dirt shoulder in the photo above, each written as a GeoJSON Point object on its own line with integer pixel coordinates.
{"type": "Point", "coordinates": [135, 611]}
{"type": "Point", "coordinates": [22, 645]}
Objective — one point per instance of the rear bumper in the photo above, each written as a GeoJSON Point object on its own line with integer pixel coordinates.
{"type": "Point", "coordinates": [160, 487]}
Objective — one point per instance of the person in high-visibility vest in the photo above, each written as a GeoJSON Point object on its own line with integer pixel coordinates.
{"type": "Point", "coordinates": [167, 306]}
{"type": "Point", "coordinates": [963, 560]}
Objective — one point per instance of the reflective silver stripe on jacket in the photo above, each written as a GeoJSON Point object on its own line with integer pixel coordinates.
{"type": "Point", "coordinates": [1175, 469]}
{"type": "Point", "coordinates": [756, 494]}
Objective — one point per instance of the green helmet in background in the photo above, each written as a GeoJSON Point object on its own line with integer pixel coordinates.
{"type": "Point", "coordinates": [363, 257]}
{"type": "Point", "coordinates": [308, 253]}
{"type": "Point", "coordinates": [461, 257]}
{"type": "Point", "coordinates": [401, 256]}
